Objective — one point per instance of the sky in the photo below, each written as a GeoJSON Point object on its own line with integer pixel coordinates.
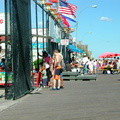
{"type": "Point", "coordinates": [99, 28]}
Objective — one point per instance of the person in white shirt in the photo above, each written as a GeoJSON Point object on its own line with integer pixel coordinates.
{"type": "Point", "coordinates": [90, 66]}
{"type": "Point", "coordinates": [85, 61]}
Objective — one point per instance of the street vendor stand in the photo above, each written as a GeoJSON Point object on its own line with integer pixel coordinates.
{"type": "Point", "coordinates": [2, 78]}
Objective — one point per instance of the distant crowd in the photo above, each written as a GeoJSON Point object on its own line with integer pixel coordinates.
{"type": "Point", "coordinates": [52, 67]}
{"type": "Point", "coordinates": [87, 65]}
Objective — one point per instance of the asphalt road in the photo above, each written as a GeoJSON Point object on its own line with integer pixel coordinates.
{"type": "Point", "coordinates": [79, 100]}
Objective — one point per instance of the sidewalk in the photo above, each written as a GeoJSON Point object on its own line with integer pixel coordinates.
{"type": "Point", "coordinates": [2, 92]}
{"type": "Point", "coordinates": [4, 104]}
{"type": "Point", "coordinates": [79, 100]}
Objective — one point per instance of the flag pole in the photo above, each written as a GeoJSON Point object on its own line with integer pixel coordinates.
{"type": "Point", "coordinates": [57, 5]}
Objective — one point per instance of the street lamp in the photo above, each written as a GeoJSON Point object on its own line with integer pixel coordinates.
{"type": "Point", "coordinates": [85, 35]}
{"type": "Point", "coordinates": [93, 6]}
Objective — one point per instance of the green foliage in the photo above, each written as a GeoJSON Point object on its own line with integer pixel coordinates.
{"type": "Point", "coordinates": [37, 62]}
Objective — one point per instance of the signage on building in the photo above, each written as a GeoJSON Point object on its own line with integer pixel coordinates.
{"type": "Point", "coordinates": [64, 42]}
{"type": "Point", "coordinates": [2, 23]}
{"type": "Point", "coordinates": [40, 45]}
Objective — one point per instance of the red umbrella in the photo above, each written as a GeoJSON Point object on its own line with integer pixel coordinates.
{"type": "Point", "coordinates": [108, 55]}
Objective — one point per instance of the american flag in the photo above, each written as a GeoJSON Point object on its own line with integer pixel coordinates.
{"type": "Point", "coordinates": [66, 8]}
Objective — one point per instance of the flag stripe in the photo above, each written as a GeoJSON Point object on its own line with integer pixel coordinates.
{"type": "Point", "coordinates": [72, 7]}
{"type": "Point", "coordinates": [67, 8]}
{"type": "Point", "coordinates": [65, 22]}
{"type": "Point", "coordinates": [69, 17]}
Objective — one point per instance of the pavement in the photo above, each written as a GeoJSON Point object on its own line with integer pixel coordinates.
{"type": "Point", "coordinates": [4, 104]}
{"type": "Point", "coordinates": [79, 100]}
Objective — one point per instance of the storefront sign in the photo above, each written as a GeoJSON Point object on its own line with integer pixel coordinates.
{"type": "Point", "coordinates": [64, 42]}
{"type": "Point", "coordinates": [2, 23]}
{"type": "Point", "coordinates": [40, 45]}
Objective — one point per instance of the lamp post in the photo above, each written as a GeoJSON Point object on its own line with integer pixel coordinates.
{"type": "Point", "coordinates": [93, 6]}
{"type": "Point", "coordinates": [43, 2]}
{"type": "Point", "coordinates": [85, 35]}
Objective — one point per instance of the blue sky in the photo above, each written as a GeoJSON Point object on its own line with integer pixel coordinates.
{"type": "Point", "coordinates": [1, 6]}
{"type": "Point", "coordinates": [99, 28]}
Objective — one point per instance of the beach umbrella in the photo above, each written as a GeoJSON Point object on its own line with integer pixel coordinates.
{"type": "Point", "coordinates": [108, 55]}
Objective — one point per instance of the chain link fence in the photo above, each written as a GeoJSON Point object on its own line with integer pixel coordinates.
{"type": "Point", "coordinates": [18, 48]}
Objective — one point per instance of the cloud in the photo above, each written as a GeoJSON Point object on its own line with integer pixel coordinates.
{"type": "Point", "coordinates": [105, 19]}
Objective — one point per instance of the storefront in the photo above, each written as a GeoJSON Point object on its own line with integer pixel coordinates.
{"type": "Point", "coordinates": [2, 78]}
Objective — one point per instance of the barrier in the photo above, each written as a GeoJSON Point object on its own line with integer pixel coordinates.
{"type": "Point", "coordinates": [69, 75]}
{"type": "Point", "coordinates": [76, 76]}
{"type": "Point", "coordinates": [86, 77]}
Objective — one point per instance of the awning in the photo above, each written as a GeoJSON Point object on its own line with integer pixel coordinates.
{"type": "Point", "coordinates": [74, 49]}
{"type": "Point", "coordinates": [71, 46]}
